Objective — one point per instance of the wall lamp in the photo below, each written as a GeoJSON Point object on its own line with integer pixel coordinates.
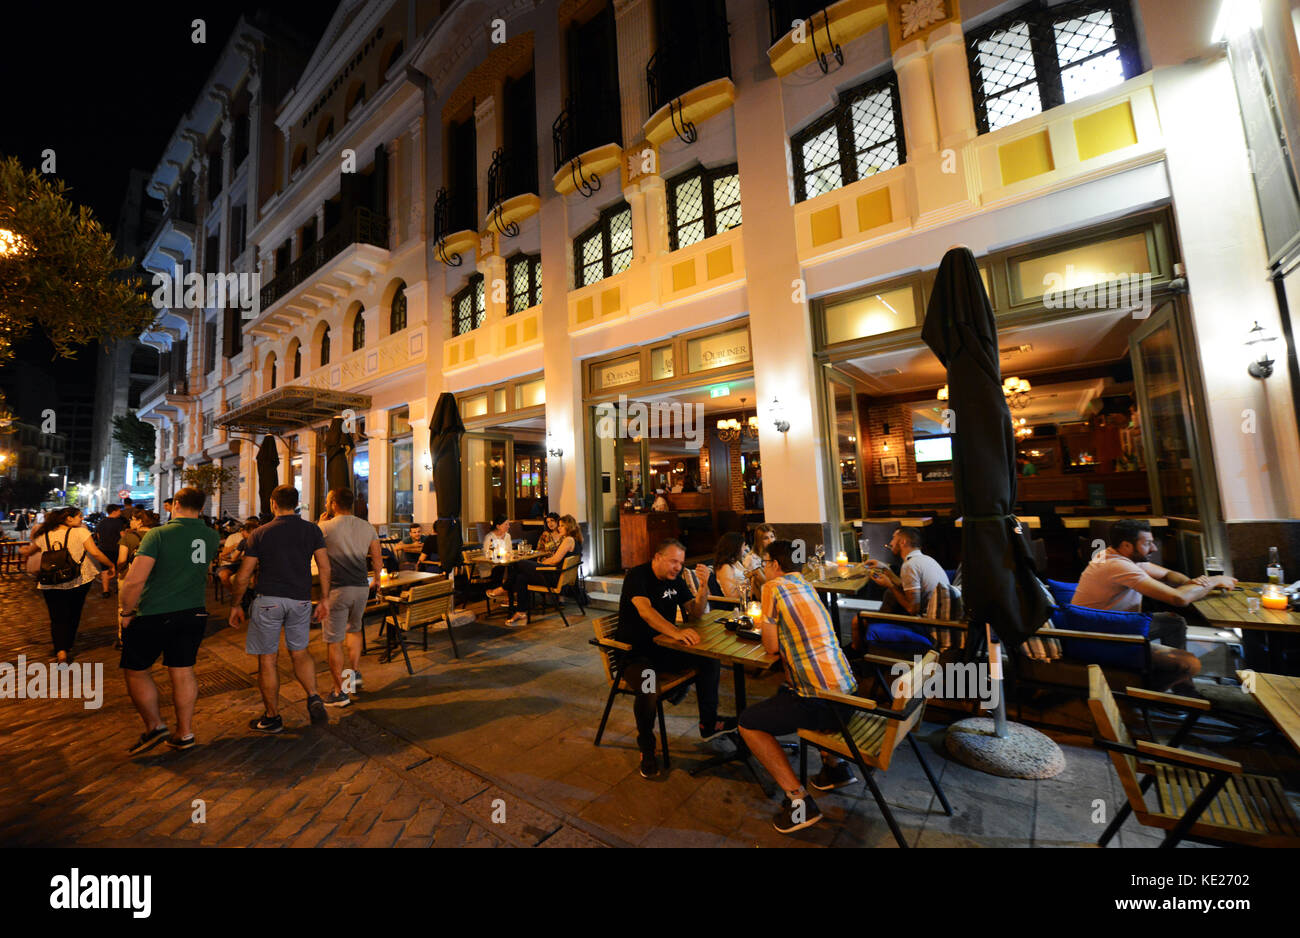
{"type": "Point", "coordinates": [1262, 367]}
{"type": "Point", "coordinates": [776, 410]}
{"type": "Point", "coordinates": [551, 449]}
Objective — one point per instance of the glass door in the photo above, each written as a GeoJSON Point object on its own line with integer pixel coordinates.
{"type": "Point", "coordinates": [847, 471]}
{"type": "Point", "coordinates": [620, 473]}
{"type": "Point", "coordinates": [1172, 414]}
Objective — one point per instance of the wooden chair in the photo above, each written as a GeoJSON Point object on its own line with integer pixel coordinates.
{"type": "Point", "coordinates": [1198, 797]}
{"type": "Point", "coordinates": [377, 612]}
{"type": "Point", "coordinates": [613, 656]}
{"type": "Point", "coordinates": [568, 576]}
{"type": "Point", "coordinates": [418, 609]}
{"type": "Point", "coordinates": [870, 734]}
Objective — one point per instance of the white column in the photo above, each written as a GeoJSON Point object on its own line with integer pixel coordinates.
{"type": "Point", "coordinates": [916, 95]}
{"type": "Point", "coordinates": [486, 140]}
{"type": "Point", "coordinates": [955, 108]}
{"type": "Point", "coordinates": [634, 30]}
{"type": "Point", "coordinates": [415, 194]}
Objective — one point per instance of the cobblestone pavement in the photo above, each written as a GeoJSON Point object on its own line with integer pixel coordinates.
{"type": "Point", "coordinates": [69, 780]}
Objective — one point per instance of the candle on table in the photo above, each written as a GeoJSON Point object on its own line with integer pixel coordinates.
{"type": "Point", "coordinates": [753, 610]}
{"type": "Point", "coordinates": [1273, 598]}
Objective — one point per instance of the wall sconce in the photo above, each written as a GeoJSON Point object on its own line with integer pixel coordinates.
{"type": "Point", "coordinates": [551, 449]}
{"type": "Point", "coordinates": [776, 410]}
{"type": "Point", "coordinates": [428, 463]}
{"type": "Point", "coordinates": [1262, 367]}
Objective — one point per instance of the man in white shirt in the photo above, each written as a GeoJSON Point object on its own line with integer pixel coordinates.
{"type": "Point", "coordinates": [497, 541]}
{"type": "Point", "coordinates": [350, 543]}
{"type": "Point", "coordinates": [918, 578]}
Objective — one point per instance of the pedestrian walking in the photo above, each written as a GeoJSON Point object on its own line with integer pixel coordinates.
{"type": "Point", "coordinates": [281, 551]}
{"type": "Point", "coordinates": [64, 573]}
{"type": "Point", "coordinates": [107, 533]}
{"type": "Point", "coordinates": [139, 522]}
{"type": "Point", "coordinates": [22, 523]}
{"type": "Point", "coordinates": [164, 612]}
{"type": "Point", "coordinates": [350, 542]}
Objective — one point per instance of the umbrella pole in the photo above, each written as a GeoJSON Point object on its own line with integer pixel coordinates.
{"type": "Point", "coordinates": [995, 675]}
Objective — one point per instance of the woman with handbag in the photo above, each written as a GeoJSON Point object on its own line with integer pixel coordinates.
{"type": "Point", "coordinates": [60, 559]}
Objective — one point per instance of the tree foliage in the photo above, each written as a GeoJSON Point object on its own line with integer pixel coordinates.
{"type": "Point", "coordinates": [209, 478]}
{"type": "Point", "coordinates": [136, 437]}
{"type": "Point", "coordinates": [60, 270]}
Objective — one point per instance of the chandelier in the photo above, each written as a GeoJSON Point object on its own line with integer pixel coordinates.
{"type": "Point", "coordinates": [1021, 427]}
{"type": "Point", "coordinates": [732, 429]}
{"type": "Point", "coordinates": [1016, 391]}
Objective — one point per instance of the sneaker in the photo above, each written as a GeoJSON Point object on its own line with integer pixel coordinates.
{"type": "Point", "coordinates": [356, 681]}
{"type": "Point", "coordinates": [316, 708]}
{"type": "Point", "coordinates": [729, 725]}
{"type": "Point", "coordinates": [649, 765]}
{"type": "Point", "coordinates": [182, 742]}
{"type": "Point", "coordinates": [339, 699]}
{"type": "Point", "coordinates": [795, 816]}
{"type": "Point", "coordinates": [265, 724]}
{"type": "Point", "coordinates": [148, 740]}
{"type": "Point", "coordinates": [832, 777]}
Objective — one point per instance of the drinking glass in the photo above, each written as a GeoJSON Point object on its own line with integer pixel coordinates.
{"type": "Point", "coordinates": [1252, 604]}
{"type": "Point", "coordinates": [821, 554]}
{"type": "Point", "coordinates": [1213, 566]}
{"type": "Point", "coordinates": [864, 548]}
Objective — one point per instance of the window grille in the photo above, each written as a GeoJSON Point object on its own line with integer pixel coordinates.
{"type": "Point", "coordinates": [524, 272]}
{"type": "Point", "coordinates": [859, 137]}
{"type": "Point", "coordinates": [604, 249]}
{"type": "Point", "coordinates": [702, 203]}
{"type": "Point", "coordinates": [469, 306]}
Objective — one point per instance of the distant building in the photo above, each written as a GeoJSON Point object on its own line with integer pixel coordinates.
{"type": "Point", "coordinates": [30, 456]}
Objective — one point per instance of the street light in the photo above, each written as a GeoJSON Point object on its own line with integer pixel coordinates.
{"type": "Point", "coordinates": [55, 474]}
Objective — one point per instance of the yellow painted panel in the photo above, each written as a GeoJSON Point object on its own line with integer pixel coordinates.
{"type": "Point", "coordinates": [610, 301]}
{"type": "Point", "coordinates": [875, 209]}
{"type": "Point", "coordinates": [826, 226]}
{"type": "Point", "coordinates": [469, 349]}
{"type": "Point", "coordinates": [453, 354]}
{"type": "Point", "coordinates": [1025, 158]}
{"type": "Point", "coordinates": [1106, 131]}
{"type": "Point", "coordinates": [585, 309]}
{"type": "Point", "coordinates": [683, 275]}
{"type": "Point", "coordinates": [530, 328]}
{"type": "Point", "coordinates": [719, 263]}
{"type": "Point", "coordinates": [512, 334]}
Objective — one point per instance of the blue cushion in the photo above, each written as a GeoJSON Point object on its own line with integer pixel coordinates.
{"type": "Point", "coordinates": [1062, 593]}
{"type": "Point", "coordinates": [890, 633]}
{"type": "Point", "coordinates": [1112, 654]}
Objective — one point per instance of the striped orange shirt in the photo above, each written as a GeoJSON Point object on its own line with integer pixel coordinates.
{"type": "Point", "coordinates": [806, 637]}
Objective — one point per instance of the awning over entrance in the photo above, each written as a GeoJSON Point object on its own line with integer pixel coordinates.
{"type": "Point", "coordinates": [291, 408]}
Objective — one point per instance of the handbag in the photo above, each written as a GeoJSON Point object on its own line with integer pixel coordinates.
{"type": "Point", "coordinates": [56, 564]}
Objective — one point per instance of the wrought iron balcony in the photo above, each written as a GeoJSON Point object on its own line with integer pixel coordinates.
{"type": "Point", "coordinates": [511, 174]}
{"type": "Point", "coordinates": [364, 227]}
{"type": "Point", "coordinates": [783, 14]}
{"type": "Point", "coordinates": [586, 126]}
{"type": "Point", "coordinates": [453, 211]}
{"type": "Point", "coordinates": [686, 62]}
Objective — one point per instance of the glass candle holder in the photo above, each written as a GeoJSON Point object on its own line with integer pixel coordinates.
{"type": "Point", "coordinates": [1273, 598]}
{"type": "Point", "coordinates": [753, 610]}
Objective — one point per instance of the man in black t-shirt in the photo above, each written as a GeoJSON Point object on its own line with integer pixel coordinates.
{"type": "Point", "coordinates": [652, 594]}
{"type": "Point", "coordinates": [107, 533]}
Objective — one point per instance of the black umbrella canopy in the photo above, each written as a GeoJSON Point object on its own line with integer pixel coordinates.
{"type": "Point", "coordinates": [338, 456]}
{"type": "Point", "coordinates": [998, 583]}
{"type": "Point", "coordinates": [445, 431]}
{"type": "Point", "coordinates": [268, 476]}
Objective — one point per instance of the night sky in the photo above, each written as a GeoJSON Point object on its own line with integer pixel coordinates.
{"type": "Point", "coordinates": [104, 87]}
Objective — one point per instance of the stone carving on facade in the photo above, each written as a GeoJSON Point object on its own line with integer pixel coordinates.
{"type": "Point", "coordinates": [916, 15]}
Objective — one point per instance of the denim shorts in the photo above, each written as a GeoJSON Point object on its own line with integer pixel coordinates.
{"type": "Point", "coordinates": [269, 615]}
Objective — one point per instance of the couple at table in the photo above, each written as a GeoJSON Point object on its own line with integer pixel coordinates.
{"type": "Point", "coordinates": [514, 579]}
{"type": "Point", "coordinates": [794, 624]}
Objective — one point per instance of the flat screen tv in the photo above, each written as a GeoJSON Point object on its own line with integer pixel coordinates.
{"type": "Point", "coordinates": [934, 449]}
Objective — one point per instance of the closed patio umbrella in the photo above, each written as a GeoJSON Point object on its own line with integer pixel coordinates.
{"type": "Point", "coordinates": [338, 456]}
{"type": "Point", "coordinates": [445, 431]}
{"type": "Point", "coordinates": [268, 476]}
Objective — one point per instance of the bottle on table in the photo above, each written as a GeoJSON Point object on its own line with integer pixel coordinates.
{"type": "Point", "coordinates": [1274, 567]}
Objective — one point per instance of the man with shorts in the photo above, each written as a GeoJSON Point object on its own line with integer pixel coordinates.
{"type": "Point", "coordinates": [107, 533]}
{"type": "Point", "coordinates": [798, 627]}
{"type": "Point", "coordinates": [282, 551]}
{"type": "Point", "coordinates": [163, 613]}
{"type": "Point", "coordinates": [349, 541]}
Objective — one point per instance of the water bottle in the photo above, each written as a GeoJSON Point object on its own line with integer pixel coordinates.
{"type": "Point", "coordinates": [1274, 567]}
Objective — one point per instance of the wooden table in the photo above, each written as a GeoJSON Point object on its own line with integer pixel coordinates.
{"type": "Point", "coordinates": [1083, 521]}
{"type": "Point", "coordinates": [902, 522]}
{"type": "Point", "coordinates": [834, 586]}
{"type": "Point", "coordinates": [1280, 697]}
{"type": "Point", "coordinates": [1226, 609]}
{"type": "Point", "coordinates": [725, 647]}
{"type": "Point", "coordinates": [513, 557]}
{"type": "Point", "coordinates": [401, 582]}
{"type": "Point", "coordinates": [1033, 522]}
{"type": "Point", "coordinates": [10, 559]}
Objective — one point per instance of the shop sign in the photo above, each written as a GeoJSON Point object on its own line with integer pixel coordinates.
{"type": "Point", "coordinates": [614, 374]}
{"type": "Point", "coordinates": [719, 350]}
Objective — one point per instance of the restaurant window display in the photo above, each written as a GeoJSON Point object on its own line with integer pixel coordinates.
{"type": "Point", "coordinates": [504, 460]}
{"type": "Point", "coordinates": [401, 446]}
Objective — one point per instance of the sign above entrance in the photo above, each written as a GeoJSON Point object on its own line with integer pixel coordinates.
{"type": "Point", "coordinates": [719, 350]}
{"type": "Point", "coordinates": [623, 371]}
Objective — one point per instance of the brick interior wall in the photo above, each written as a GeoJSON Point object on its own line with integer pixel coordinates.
{"type": "Point", "coordinates": [737, 478]}
{"type": "Point", "coordinates": [899, 418]}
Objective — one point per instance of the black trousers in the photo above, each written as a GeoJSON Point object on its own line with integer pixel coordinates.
{"type": "Point", "coordinates": [642, 672]}
{"type": "Point", "coordinates": [521, 575]}
{"type": "Point", "coordinates": [65, 614]}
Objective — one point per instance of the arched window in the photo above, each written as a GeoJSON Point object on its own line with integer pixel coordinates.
{"type": "Point", "coordinates": [297, 360]}
{"type": "Point", "coordinates": [393, 56]}
{"type": "Point", "coordinates": [356, 96]}
{"type": "Point", "coordinates": [359, 330]}
{"type": "Point", "coordinates": [268, 373]}
{"type": "Point", "coordinates": [325, 347]}
{"type": "Point", "coordinates": [397, 314]}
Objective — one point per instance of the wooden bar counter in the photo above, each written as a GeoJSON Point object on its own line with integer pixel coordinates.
{"type": "Point", "coordinates": [640, 531]}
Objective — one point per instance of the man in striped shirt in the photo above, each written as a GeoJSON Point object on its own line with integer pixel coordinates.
{"type": "Point", "coordinates": [798, 627]}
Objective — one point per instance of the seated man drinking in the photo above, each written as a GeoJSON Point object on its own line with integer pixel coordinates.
{"type": "Point", "coordinates": [1118, 579]}
{"type": "Point", "coordinates": [798, 627]}
{"type": "Point", "coordinates": [652, 594]}
{"type": "Point", "coordinates": [910, 589]}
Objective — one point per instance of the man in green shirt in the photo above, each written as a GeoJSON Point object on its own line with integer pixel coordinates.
{"type": "Point", "coordinates": [164, 613]}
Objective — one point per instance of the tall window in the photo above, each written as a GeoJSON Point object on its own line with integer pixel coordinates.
{"type": "Point", "coordinates": [403, 467]}
{"type": "Point", "coordinates": [297, 360]}
{"type": "Point", "coordinates": [1035, 58]}
{"type": "Point", "coordinates": [702, 203]}
{"type": "Point", "coordinates": [210, 345]}
{"type": "Point", "coordinates": [325, 347]}
{"type": "Point", "coordinates": [397, 313]}
{"type": "Point", "coordinates": [468, 307]}
{"type": "Point", "coordinates": [359, 330]}
{"type": "Point", "coordinates": [524, 271]}
{"type": "Point", "coordinates": [605, 248]}
{"type": "Point", "coordinates": [861, 136]}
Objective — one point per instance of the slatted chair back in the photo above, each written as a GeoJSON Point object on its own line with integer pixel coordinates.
{"type": "Point", "coordinates": [904, 688]}
{"type": "Point", "coordinates": [427, 603]}
{"type": "Point", "coordinates": [568, 572]}
{"type": "Point", "coordinates": [1110, 727]}
{"type": "Point", "coordinates": [605, 627]}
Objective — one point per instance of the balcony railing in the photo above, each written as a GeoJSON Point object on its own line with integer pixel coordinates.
{"type": "Point", "coordinates": [166, 385]}
{"type": "Point", "coordinates": [584, 127]}
{"type": "Point", "coordinates": [511, 174]}
{"type": "Point", "coordinates": [364, 227]}
{"type": "Point", "coordinates": [687, 62]}
{"type": "Point", "coordinates": [783, 14]}
{"type": "Point", "coordinates": [455, 210]}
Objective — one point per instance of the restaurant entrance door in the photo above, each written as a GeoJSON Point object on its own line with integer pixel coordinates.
{"type": "Point", "coordinates": [1176, 430]}
{"type": "Point", "coordinates": [504, 473]}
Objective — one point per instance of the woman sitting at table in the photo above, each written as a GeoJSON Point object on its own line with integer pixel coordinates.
{"type": "Point", "coordinates": [542, 572]}
{"type": "Point", "coordinates": [728, 566]}
{"type": "Point", "coordinates": [754, 560]}
{"type": "Point", "coordinates": [497, 542]}
{"type": "Point", "coordinates": [549, 542]}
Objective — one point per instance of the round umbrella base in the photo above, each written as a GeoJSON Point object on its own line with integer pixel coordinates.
{"type": "Point", "coordinates": [1022, 753]}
